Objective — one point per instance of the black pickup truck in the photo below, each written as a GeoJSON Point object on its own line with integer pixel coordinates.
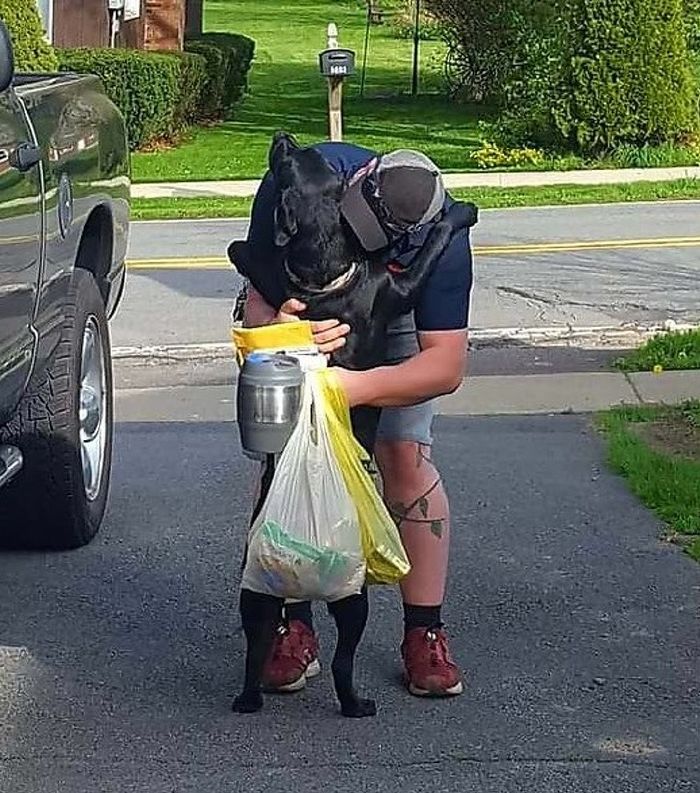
{"type": "Point", "coordinates": [64, 218]}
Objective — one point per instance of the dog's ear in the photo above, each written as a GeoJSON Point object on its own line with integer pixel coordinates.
{"type": "Point", "coordinates": [282, 144]}
{"type": "Point", "coordinates": [286, 224]}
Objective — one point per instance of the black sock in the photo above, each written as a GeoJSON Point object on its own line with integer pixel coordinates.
{"type": "Point", "coordinates": [421, 616]}
{"type": "Point", "coordinates": [301, 612]}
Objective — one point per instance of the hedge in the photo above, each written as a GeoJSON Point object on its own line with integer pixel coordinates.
{"type": "Point", "coordinates": [158, 93]}
{"type": "Point", "coordinates": [161, 93]}
{"type": "Point", "coordinates": [212, 104]}
{"type": "Point", "coordinates": [32, 52]}
{"type": "Point", "coordinates": [229, 57]}
{"type": "Point", "coordinates": [692, 23]}
{"type": "Point", "coordinates": [605, 73]}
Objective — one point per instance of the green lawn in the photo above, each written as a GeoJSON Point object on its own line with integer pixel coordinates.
{"type": "Point", "coordinates": [658, 451]}
{"type": "Point", "coordinates": [673, 350]}
{"type": "Point", "coordinates": [485, 197]}
{"type": "Point", "coordinates": [287, 92]}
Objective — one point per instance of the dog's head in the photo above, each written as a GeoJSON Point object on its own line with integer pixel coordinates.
{"type": "Point", "coordinates": [308, 225]}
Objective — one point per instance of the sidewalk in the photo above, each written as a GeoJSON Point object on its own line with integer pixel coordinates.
{"type": "Point", "coordinates": [575, 392]}
{"type": "Point", "coordinates": [179, 398]}
{"type": "Point", "coordinates": [247, 187]}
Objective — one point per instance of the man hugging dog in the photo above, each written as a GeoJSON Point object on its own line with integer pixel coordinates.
{"type": "Point", "coordinates": [390, 204]}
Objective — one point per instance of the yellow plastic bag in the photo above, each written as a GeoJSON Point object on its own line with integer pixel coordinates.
{"type": "Point", "coordinates": [386, 558]}
{"type": "Point", "coordinates": [287, 336]}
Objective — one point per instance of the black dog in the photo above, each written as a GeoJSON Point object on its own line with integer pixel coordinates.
{"type": "Point", "coordinates": [321, 263]}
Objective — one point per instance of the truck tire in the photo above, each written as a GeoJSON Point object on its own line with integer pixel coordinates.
{"type": "Point", "coordinates": [63, 427]}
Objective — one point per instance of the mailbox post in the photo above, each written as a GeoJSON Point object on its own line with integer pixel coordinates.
{"type": "Point", "coordinates": [336, 64]}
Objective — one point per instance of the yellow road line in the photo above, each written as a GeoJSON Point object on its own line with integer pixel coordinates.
{"type": "Point", "coordinates": [220, 262]}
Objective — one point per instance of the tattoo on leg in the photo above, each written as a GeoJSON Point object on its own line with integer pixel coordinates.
{"type": "Point", "coordinates": [402, 512]}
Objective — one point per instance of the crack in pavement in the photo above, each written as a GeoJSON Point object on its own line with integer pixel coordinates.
{"type": "Point", "coordinates": [558, 302]}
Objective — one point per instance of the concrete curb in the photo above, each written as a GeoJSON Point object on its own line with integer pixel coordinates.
{"type": "Point", "coordinates": [594, 337]}
{"type": "Point", "coordinates": [478, 396]}
{"type": "Point", "coordinates": [245, 188]}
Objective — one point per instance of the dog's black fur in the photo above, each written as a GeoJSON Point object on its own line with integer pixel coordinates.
{"type": "Point", "coordinates": [316, 248]}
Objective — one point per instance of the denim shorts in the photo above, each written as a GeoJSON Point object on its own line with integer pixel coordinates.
{"type": "Point", "coordinates": [412, 423]}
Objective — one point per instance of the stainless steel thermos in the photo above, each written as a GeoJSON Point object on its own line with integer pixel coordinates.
{"type": "Point", "coordinates": [268, 401]}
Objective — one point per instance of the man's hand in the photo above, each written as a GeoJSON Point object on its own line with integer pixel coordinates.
{"type": "Point", "coordinates": [329, 334]}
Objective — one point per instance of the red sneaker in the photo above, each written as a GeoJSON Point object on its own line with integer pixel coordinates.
{"type": "Point", "coordinates": [293, 659]}
{"type": "Point", "coordinates": [429, 668]}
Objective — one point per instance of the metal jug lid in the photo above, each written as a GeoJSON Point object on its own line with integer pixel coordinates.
{"type": "Point", "coordinates": [272, 369]}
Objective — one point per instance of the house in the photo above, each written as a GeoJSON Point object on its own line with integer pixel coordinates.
{"type": "Point", "coordinates": [142, 24]}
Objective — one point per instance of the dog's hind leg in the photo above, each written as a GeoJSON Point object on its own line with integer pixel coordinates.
{"type": "Point", "coordinates": [261, 616]}
{"type": "Point", "coordinates": [350, 615]}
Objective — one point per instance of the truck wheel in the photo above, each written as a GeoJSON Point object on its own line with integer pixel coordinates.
{"type": "Point", "coordinates": [63, 427]}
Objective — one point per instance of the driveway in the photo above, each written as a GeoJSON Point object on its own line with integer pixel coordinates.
{"type": "Point", "coordinates": [578, 629]}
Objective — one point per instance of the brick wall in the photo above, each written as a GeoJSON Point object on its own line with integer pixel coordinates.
{"type": "Point", "coordinates": [165, 24]}
{"type": "Point", "coordinates": [85, 23]}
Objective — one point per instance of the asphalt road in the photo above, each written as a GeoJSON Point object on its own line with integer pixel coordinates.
{"type": "Point", "coordinates": [495, 227]}
{"type": "Point", "coordinates": [577, 628]}
{"type": "Point", "coordinates": [514, 287]}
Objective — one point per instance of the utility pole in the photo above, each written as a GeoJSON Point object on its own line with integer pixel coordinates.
{"type": "Point", "coordinates": [416, 50]}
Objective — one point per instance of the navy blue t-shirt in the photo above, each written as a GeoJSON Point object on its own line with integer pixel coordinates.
{"type": "Point", "coordinates": [444, 300]}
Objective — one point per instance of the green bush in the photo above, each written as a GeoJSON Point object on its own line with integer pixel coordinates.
{"type": "Point", "coordinates": [32, 52]}
{"type": "Point", "coordinates": [192, 81]}
{"type": "Point", "coordinates": [692, 23]}
{"type": "Point", "coordinates": [485, 38]}
{"type": "Point", "coordinates": [605, 73]}
{"type": "Point", "coordinates": [158, 93]}
{"type": "Point", "coordinates": [212, 104]}
{"type": "Point", "coordinates": [403, 23]}
{"type": "Point", "coordinates": [231, 82]}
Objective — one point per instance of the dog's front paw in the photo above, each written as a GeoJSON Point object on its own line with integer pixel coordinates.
{"type": "Point", "coordinates": [247, 703]}
{"type": "Point", "coordinates": [359, 708]}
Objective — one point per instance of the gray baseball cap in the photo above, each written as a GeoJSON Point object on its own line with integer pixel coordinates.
{"type": "Point", "coordinates": [392, 194]}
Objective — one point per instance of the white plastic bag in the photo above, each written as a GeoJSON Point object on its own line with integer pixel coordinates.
{"type": "Point", "coordinates": [305, 543]}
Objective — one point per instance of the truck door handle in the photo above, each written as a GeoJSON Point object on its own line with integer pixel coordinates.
{"type": "Point", "coordinates": [25, 156]}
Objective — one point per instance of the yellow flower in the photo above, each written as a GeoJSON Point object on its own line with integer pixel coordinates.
{"type": "Point", "coordinates": [657, 368]}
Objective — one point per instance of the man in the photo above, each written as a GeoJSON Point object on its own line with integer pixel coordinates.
{"type": "Point", "coordinates": [389, 204]}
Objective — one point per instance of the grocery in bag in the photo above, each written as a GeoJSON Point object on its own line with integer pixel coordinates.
{"type": "Point", "coordinates": [323, 519]}
{"type": "Point", "coordinates": [305, 542]}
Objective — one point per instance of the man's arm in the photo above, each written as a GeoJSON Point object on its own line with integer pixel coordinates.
{"type": "Point", "coordinates": [441, 318]}
{"type": "Point", "coordinates": [436, 370]}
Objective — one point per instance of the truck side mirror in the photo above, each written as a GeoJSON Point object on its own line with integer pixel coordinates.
{"type": "Point", "coordinates": [7, 61]}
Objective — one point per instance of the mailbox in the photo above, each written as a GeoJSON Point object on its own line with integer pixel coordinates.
{"type": "Point", "coordinates": [337, 63]}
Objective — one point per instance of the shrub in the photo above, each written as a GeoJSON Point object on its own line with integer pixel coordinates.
{"type": "Point", "coordinates": [403, 23]}
{"type": "Point", "coordinates": [485, 38]}
{"type": "Point", "coordinates": [491, 155]}
{"type": "Point", "coordinates": [192, 88]}
{"type": "Point", "coordinates": [32, 52]}
{"type": "Point", "coordinates": [604, 74]}
{"type": "Point", "coordinates": [212, 103]}
{"type": "Point", "coordinates": [158, 93]}
{"type": "Point", "coordinates": [236, 56]}
{"type": "Point", "coordinates": [692, 23]}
